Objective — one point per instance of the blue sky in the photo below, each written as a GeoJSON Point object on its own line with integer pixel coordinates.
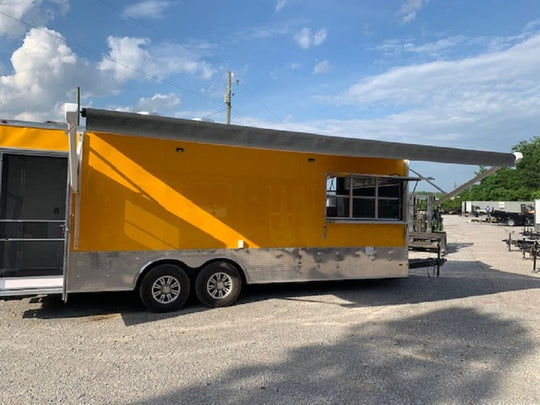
{"type": "Point", "coordinates": [455, 73]}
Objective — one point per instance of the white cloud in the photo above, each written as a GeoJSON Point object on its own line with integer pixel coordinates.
{"type": "Point", "coordinates": [408, 11]}
{"type": "Point", "coordinates": [293, 66]}
{"type": "Point", "coordinates": [259, 32]}
{"type": "Point", "coordinates": [490, 101]}
{"type": "Point", "coordinates": [45, 71]}
{"type": "Point", "coordinates": [319, 37]}
{"type": "Point", "coordinates": [275, 74]}
{"type": "Point", "coordinates": [147, 9]}
{"type": "Point", "coordinates": [509, 73]}
{"type": "Point", "coordinates": [306, 39]}
{"type": "Point", "coordinates": [175, 58]}
{"type": "Point", "coordinates": [393, 47]}
{"type": "Point", "coordinates": [35, 12]}
{"type": "Point", "coordinates": [262, 32]}
{"type": "Point", "coordinates": [131, 58]}
{"type": "Point", "coordinates": [158, 103]}
{"type": "Point", "coordinates": [280, 4]}
{"type": "Point", "coordinates": [303, 38]}
{"type": "Point", "coordinates": [437, 46]}
{"type": "Point", "coordinates": [322, 67]}
{"type": "Point", "coordinates": [127, 59]}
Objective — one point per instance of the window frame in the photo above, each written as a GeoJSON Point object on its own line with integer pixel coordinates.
{"type": "Point", "coordinates": [376, 198]}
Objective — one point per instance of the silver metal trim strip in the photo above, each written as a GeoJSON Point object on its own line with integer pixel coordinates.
{"type": "Point", "coordinates": [30, 291]}
{"type": "Point", "coordinates": [117, 271]}
{"type": "Point", "coordinates": [30, 285]}
{"type": "Point", "coordinates": [76, 216]}
{"type": "Point", "coordinates": [405, 178]}
{"type": "Point", "coordinates": [33, 152]}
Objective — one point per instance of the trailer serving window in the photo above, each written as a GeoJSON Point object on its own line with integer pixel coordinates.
{"type": "Point", "coordinates": [357, 197]}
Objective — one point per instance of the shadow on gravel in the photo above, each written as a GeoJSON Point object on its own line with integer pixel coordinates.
{"type": "Point", "coordinates": [454, 247]}
{"type": "Point", "coordinates": [454, 355]}
{"type": "Point", "coordinates": [98, 306]}
{"type": "Point", "coordinates": [457, 280]}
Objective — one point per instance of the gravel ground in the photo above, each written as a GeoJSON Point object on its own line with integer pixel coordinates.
{"type": "Point", "coordinates": [470, 336]}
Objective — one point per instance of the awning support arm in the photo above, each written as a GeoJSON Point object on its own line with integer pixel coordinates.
{"type": "Point", "coordinates": [466, 185]}
{"type": "Point", "coordinates": [428, 179]}
{"type": "Point", "coordinates": [72, 116]}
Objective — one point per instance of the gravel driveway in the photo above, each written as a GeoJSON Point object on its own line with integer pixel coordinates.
{"type": "Point", "coordinates": [470, 336]}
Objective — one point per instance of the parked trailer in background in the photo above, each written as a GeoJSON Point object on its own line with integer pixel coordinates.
{"type": "Point", "coordinates": [165, 206]}
{"type": "Point", "coordinates": [486, 207]}
{"type": "Point", "coordinates": [513, 218]}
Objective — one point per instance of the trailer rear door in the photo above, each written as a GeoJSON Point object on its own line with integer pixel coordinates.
{"type": "Point", "coordinates": [32, 223]}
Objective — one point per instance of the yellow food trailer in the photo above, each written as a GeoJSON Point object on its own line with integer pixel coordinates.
{"type": "Point", "coordinates": [167, 206]}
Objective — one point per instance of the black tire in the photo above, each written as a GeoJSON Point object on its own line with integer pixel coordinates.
{"type": "Point", "coordinates": [528, 221]}
{"type": "Point", "coordinates": [218, 285]}
{"type": "Point", "coordinates": [510, 222]}
{"type": "Point", "coordinates": [164, 288]}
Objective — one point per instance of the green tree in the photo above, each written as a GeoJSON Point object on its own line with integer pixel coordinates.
{"type": "Point", "coordinates": [509, 184]}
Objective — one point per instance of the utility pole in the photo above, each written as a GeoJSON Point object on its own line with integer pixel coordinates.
{"type": "Point", "coordinates": [78, 97]}
{"type": "Point", "coordinates": [228, 96]}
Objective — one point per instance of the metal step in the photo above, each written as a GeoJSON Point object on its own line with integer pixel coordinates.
{"type": "Point", "coordinates": [18, 286]}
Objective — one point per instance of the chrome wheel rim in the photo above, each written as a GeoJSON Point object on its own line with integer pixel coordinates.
{"type": "Point", "coordinates": [219, 285]}
{"type": "Point", "coordinates": [166, 289]}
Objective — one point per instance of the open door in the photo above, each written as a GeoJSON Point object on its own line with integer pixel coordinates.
{"type": "Point", "coordinates": [32, 223]}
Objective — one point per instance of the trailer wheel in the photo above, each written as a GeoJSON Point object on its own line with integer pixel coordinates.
{"type": "Point", "coordinates": [218, 285]}
{"type": "Point", "coordinates": [511, 222]}
{"type": "Point", "coordinates": [164, 288]}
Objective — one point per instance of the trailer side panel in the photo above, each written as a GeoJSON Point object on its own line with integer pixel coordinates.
{"type": "Point", "coordinates": [143, 200]}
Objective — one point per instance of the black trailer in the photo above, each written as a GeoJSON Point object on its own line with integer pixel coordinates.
{"type": "Point", "coordinates": [513, 218]}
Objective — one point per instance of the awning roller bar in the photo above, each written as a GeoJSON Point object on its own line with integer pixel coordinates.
{"type": "Point", "coordinates": [123, 123]}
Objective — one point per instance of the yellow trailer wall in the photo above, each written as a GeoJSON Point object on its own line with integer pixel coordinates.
{"type": "Point", "coordinates": [147, 194]}
{"type": "Point", "coordinates": [42, 139]}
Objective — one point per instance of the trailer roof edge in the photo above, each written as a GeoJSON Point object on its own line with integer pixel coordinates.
{"type": "Point", "coordinates": [31, 124]}
{"type": "Point", "coordinates": [123, 123]}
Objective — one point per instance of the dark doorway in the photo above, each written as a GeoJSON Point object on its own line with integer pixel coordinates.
{"type": "Point", "coordinates": [32, 215]}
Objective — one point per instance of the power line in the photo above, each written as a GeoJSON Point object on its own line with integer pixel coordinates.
{"type": "Point", "coordinates": [259, 101]}
{"type": "Point", "coordinates": [74, 44]}
{"type": "Point", "coordinates": [139, 71]}
{"type": "Point", "coordinates": [154, 30]}
{"type": "Point", "coordinates": [137, 21]}
{"type": "Point", "coordinates": [214, 113]}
